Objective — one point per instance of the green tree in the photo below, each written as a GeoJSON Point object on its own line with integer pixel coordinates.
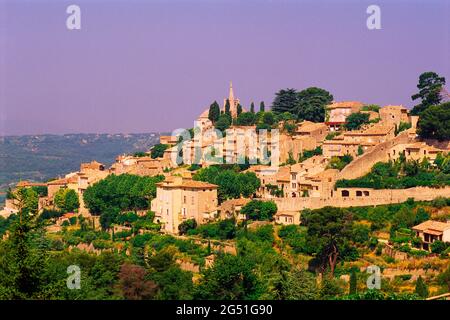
{"type": "Point", "coordinates": [353, 282]}
{"type": "Point", "coordinates": [430, 86]}
{"type": "Point", "coordinates": [157, 150]}
{"type": "Point", "coordinates": [286, 100]}
{"type": "Point", "coordinates": [444, 278]}
{"type": "Point", "coordinates": [356, 120]}
{"type": "Point", "coordinates": [66, 200]}
{"type": "Point", "coordinates": [23, 256]}
{"type": "Point", "coordinates": [311, 104]}
{"type": "Point", "coordinates": [214, 112]}
{"type": "Point", "coordinates": [252, 107]}
{"type": "Point", "coordinates": [262, 107]}
{"type": "Point", "coordinates": [116, 194]}
{"type": "Point", "coordinates": [187, 225]}
{"type": "Point", "coordinates": [230, 278]}
{"type": "Point", "coordinates": [259, 210]}
{"type": "Point", "coordinates": [174, 284]}
{"type": "Point", "coordinates": [329, 234]}
{"type": "Point", "coordinates": [268, 118]}
{"type": "Point", "coordinates": [299, 285]}
{"type": "Point", "coordinates": [438, 246]}
{"type": "Point", "coordinates": [224, 122]}
{"type": "Point", "coordinates": [421, 288]}
{"type": "Point", "coordinates": [434, 122]}
{"type": "Point", "coordinates": [238, 109]}
{"type": "Point", "coordinates": [246, 119]}
{"type": "Point", "coordinates": [231, 184]}
{"type": "Point", "coordinates": [227, 108]}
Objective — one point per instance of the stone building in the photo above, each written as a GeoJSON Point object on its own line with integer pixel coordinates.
{"type": "Point", "coordinates": [232, 209]}
{"type": "Point", "coordinates": [141, 166]}
{"type": "Point", "coordinates": [337, 113]}
{"type": "Point", "coordinates": [351, 142]}
{"type": "Point", "coordinates": [300, 171]}
{"type": "Point", "coordinates": [415, 151]}
{"type": "Point", "coordinates": [431, 231]}
{"type": "Point", "coordinates": [179, 199]}
{"type": "Point", "coordinates": [317, 131]}
{"type": "Point", "coordinates": [287, 217]}
{"type": "Point", "coordinates": [394, 115]}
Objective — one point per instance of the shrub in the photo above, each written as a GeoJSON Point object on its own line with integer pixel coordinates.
{"type": "Point", "coordinates": [187, 225]}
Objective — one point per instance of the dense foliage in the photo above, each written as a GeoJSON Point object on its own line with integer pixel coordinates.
{"type": "Point", "coordinates": [158, 150]}
{"type": "Point", "coordinates": [356, 120]}
{"type": "Point", "coordinates": [308, 104]}
{"type": "Point", "coordinates": [259, 210]}
{"type": "Point", "coordinates": [231, 184]}
{"type": "Point", "coordinates": [430, 86]}
{"type": "Point", "coordinates": [434, 122]}
{"type": "Point", "coordinates": [401, 174]}
{"type": "Point", "coordinates": [66, 200]}
{"type": "Point", "coordinates": [116, 194]}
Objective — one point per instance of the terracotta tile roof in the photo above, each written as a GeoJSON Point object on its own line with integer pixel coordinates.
{"type": "Point", "coordinates": [72, 179]}
{"type": "Point", "coordinates": [391, 107]}
{"type": "Point", "coordinates": [343, 142]}
{"type": "Point", "coordinates": [172, 182]}
{"type": "Point", "coordinates": [23, 184]}
{"type": "Point", "coordinates": [345, 104]}
{"type": "Point", "coordinates": [288, 213]}
{"type": "Point", "coordinates": [308, 126]}
{"type": "Point", "coordinates": [431, 226]}
{"type": "Point", "coordinates": [378, 129]}
{"type": "Point", "coordinates": [204, 114]}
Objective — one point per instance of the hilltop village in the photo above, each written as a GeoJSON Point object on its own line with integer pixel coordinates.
{"type": "Point", "coordinates": [239, 168]}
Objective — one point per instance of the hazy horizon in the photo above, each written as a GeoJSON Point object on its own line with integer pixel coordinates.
{"type": "Point", "coordinates": [154, 66]}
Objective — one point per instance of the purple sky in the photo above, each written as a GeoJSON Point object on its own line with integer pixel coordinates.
{"type": "Point", "coordinates": [143, 66]}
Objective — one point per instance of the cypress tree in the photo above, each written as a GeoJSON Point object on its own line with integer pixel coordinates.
{"type": "Point", "coordinates": [239, 109]}
{"type": "Point", "coordinates": [252, 108]}
{"type": "Point", "coordinates": [214, 112]}
{"type": "Point", "coordinates": [421, 288]}
{"type": "Point", "coordinates": [227, 108]}
{"type": "Point", "coordinates": [262, 107]}
{"type": "Point", "coordinates": [353, 282]}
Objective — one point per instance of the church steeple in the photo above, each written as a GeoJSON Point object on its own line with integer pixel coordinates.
{"type": "Point", "coordinates": [231, 94]}
{"type": "Point", "coordinates": [232, 101]}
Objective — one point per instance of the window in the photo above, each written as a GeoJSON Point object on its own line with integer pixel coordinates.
{"type": "Point", "coordinates": [184, 199]}
{"type": "Point", "coordinates": [359, 193]}
{"type": "Point", "coordinates": [345, 193]}
{"type": "Point", "coordinates": [184, 212]}
{"type": "Point", "coordinates": [192, 200]}
{"type": "Point", "coordinates": [294, 185]}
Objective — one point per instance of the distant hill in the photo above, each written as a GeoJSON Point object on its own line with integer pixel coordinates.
{"type": "Point", "coordinates": [43, 157]}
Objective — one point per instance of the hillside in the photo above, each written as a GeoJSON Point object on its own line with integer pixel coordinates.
{"type": "Point", "coordinates": [42, 157]}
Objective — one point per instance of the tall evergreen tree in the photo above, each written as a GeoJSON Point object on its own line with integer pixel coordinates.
{"type": "Point", "coordinates": [252, 107]}
{"type": "Point", "coordinates": [353, 282]}
{"type": "Point", "coordinates": [286, 100]}
{"type": "Point", "coordinates": [430, 86]}
{"type": "Point", "coordinates": [311, 104]}
{"type": "Point", "coordinates": [239, 109]}
{"type": "Point", "coordinates": [227, 108]}
{"type": "Point", "coordinates": [262, 107]}
{"type": "Point", "coordinates": [214, 112]}
{"type": "Point", "coordinates": [421, 288]}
